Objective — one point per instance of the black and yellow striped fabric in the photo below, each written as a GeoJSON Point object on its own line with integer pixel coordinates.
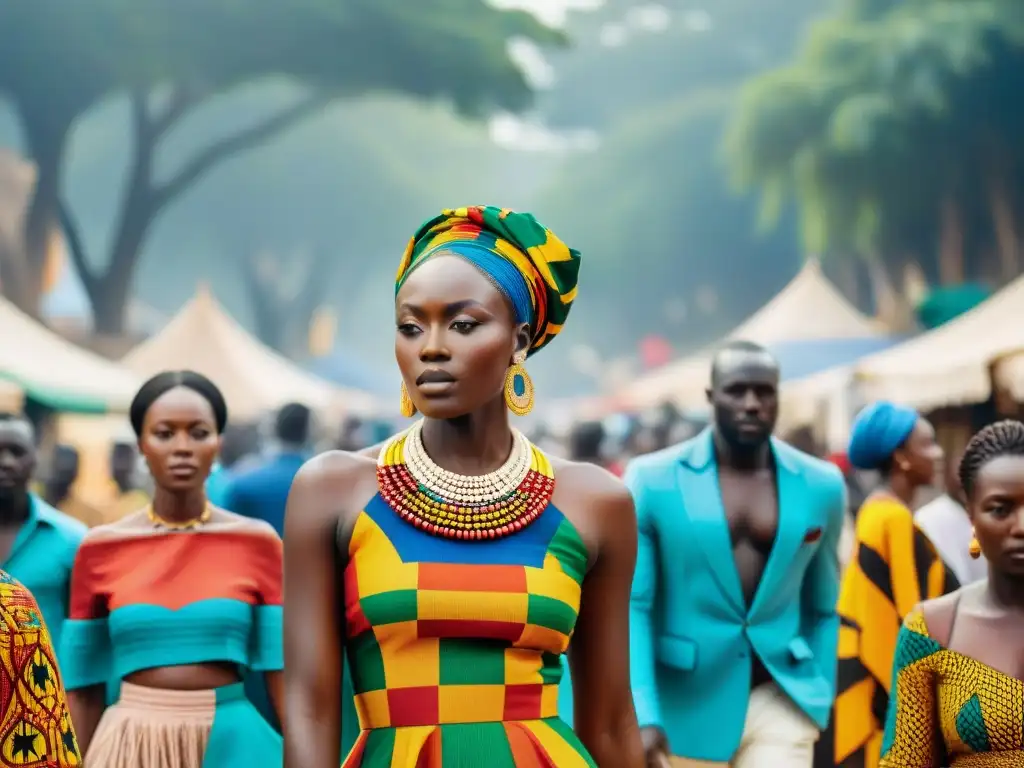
{"type": "Point", "coordinates": [894, 567]}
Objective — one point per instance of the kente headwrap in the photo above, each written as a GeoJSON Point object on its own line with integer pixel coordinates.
{"type": "Point", "coordinates": [546, 266]}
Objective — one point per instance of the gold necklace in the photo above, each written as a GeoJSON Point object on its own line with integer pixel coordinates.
{"type": "Point", "coordinates": [195, 522]}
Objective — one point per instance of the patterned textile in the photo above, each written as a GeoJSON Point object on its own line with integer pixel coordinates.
{"type": "Point", "coordinates": [894, 567]}
{"type": "Point", "coordinates": [950, 710]}
{"type": "Point", "coordinates": [550, 267]}
{"type": "Point", "coordinates": [35, 729]}
{"type": "Point", "coordinates": [455, 647]}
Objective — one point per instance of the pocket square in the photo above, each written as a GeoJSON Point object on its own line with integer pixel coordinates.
{"type": "Point", "coordinates": [812, 536]}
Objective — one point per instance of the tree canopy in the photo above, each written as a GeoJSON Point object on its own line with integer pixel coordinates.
{"type": "Point", "coordinates": [57, 63]}
{"type": "Point", "coordinates": [894, 130]}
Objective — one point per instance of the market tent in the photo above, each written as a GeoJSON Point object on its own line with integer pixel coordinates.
{"type": "Point", "coordinates": [808, 309]}
{"type": "Point", "coordinates": [950, 365]}
{"type": "Point", "coordinates": [204, 338]}
{"type": "Point", "coordinates": [12, 397]}
{"type": "Point", "coordinates": [53, 371]}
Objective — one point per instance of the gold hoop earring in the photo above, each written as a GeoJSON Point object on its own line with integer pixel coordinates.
{"type": "Point", "coordinates": [518, 390]}
{"type": "Point", "coordinates": [406, 405]}
{"type": "Point", "coordinates": [974, 548]}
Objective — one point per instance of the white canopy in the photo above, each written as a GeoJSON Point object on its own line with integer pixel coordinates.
{"type": "Point", "coordinates": [53, 371]}
{"type": "Point", "coordinates": [808, 308]}
{"type": "Point", "coordinates": [950, 365]}
{"type": "Point", "coordinates": [204, 338]}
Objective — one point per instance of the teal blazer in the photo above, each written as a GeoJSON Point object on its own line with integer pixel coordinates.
{"type": "Point", "coordinates": [692, 635]}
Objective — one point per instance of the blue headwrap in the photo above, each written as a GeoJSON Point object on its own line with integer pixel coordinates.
{"type": "Point", "coordinates": [503, 273]}
{"type": "Point", "coordinates": [878, 430]}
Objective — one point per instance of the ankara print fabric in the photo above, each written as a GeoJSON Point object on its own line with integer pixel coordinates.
{"type": "Point", "coordinates": [35, 730]}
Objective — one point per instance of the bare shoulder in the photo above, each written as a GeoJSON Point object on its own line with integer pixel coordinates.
{"type": "Point", "coordinates": [597, 503]}
{"type": "Point", "coordinates": [330, 489]}
{"type": "Point", "coordinates": [592, 486]}
{"type": "Point", "coordinates": [335, 471]}
{"type": "Point", "coordinates": [134, 522]}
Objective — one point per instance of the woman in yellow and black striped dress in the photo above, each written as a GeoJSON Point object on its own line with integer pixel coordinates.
{"type": "Point", "coordinates": [894, 567]}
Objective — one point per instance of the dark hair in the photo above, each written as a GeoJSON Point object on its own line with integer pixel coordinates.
{"type": "Point", "coordinates": [291, 425]}
{"type": "Point", "coordinates": [162, 383]}
{"type": "Point", "coordinates": [585, 440]}
{"type": "Point", "coordinates": [6, 417]}
{"type": "Point", "coordinates": [1004, 438]}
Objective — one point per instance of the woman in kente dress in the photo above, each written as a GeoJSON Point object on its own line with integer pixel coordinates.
{"type": "Point", "coordinates": [35, 726]}
{"type": "Point", "coordinates": [175, 601]}
{"type": "Point", "coordinates": [958, 678]}
{"type": "Point", "coordinates": [894, 566]}
{"type": "Point", "coordinates": [454, 563]}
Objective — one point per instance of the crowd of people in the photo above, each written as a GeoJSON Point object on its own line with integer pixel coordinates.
{"type": "Point", "coordinates": [680, 594]}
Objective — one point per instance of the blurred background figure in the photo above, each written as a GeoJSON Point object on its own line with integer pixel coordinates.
{"type": "Point", "coordinates": [239, 447]}
{"type": "Point", "coordinates": [948, 525]}
{"type": "Point", "coordinates": [587, 443]}
{"type": "Point", "coordinates": [59, 486]}
{"type": "Point", "coordinates": [260, 489]}
{"type": "Point", "coordinates": [37, 542]}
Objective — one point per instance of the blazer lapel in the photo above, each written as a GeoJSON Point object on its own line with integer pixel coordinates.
{"type": "Point", "coordinates": [792, 526]}
{"type": "Point", "coordinates": [702, 503]}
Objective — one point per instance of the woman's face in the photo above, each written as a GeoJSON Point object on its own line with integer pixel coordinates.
{"type": "Point", "coordinates": [920, 458]}
{"type": "Point", "coordinates": [456, 338]}
{"type": "Point", "coordinates": [997, 511]}
{"type": "Point", "coordinates": [179, 439]}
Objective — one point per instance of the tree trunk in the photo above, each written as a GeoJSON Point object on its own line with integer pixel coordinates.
{"type": "Point", "coordinates": [951, 243]}
{"type": "Point", "coordinates": [46, 138]}
{"type": "Point", "coordinates": [1005, 226]}
{"type": "Point", "coordinates": [109, 291]}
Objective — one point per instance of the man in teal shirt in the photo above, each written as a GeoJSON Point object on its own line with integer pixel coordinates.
{"type": "Point", "coordinates": [37, 543]}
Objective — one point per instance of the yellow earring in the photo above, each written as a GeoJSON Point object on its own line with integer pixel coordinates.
{"type": "Point", "coordinates": [974, 548]}
{"type": "Point", "coordinates": [406, 406]}
{"type": "Point", "coordinates": [518, 389]}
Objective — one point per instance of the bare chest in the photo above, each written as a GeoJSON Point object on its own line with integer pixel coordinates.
{"type": "Point", "coordinates": [751, 507]}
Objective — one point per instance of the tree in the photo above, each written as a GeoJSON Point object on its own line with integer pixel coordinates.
{"type": "Point", "coordinates": [892, 131]}
{"type": "Point", "coordinates": [176, 58]}
{"type": "Point", "coordinates": [661, 231]}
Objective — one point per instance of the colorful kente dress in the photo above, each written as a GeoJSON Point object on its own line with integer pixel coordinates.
{"type": "Point", "coordinates": [35, 728]}
{"type": "Point", "coordinates": [894, 568]}
{"type": "Point", "coordinates": [144, 597]}
{"type": "Point", "coordinates": [948, 710]}
{"type": "Point", "coordinates": [455, 646]}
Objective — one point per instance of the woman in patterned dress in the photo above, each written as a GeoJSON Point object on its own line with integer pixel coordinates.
{"type": "Point", "coordinates": [453, 565]}
{"type": "Point", "coordinates": [958, 676]}
{"type": "Point", "coordinates": [35, 727]}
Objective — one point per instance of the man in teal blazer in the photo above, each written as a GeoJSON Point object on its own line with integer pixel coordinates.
{"type": "Point", "coordinates": [733, 629]}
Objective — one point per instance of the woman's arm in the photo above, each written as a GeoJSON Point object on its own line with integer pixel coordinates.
{"type": "Point", "coordinates": [313, 622]}
{"type": "Point", "coordinates": [275, 690]}
{"type": "Point", "coordinates": [86, 706]}
{"type": "Point", "coordinates": [605, 719]}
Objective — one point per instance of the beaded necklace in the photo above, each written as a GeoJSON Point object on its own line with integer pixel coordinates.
{"type": "Point", "coordinates": [173, 525]}
{"type": "Point", "coordinates": [468, 507]}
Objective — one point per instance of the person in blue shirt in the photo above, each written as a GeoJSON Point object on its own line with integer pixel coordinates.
{"type": "Point", "coordinates": [238, 451]}
{"type": "Point", "coordinates": [37, 543]}
{"type": "Point", "coordinates": [260, 490]}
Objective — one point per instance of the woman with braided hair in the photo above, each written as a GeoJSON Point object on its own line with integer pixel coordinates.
{"type": "Point", "coordinates": [958, 676]}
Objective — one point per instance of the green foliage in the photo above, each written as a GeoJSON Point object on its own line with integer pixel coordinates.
{"type": "Point", "coordinates": [658, 226]}
{"type": "Point", "coordinates": [71, 56]}
{"type": "Point", "coordinates": [879, 120]}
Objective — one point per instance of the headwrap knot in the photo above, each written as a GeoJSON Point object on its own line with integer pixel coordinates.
{"type": "Point", "coordinates": [878, 431]}
{"type": "Point", "coordinates": [536, 271]}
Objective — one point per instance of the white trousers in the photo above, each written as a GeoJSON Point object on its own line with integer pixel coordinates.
{"type": "Point", "coordinates": [777, 734]}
